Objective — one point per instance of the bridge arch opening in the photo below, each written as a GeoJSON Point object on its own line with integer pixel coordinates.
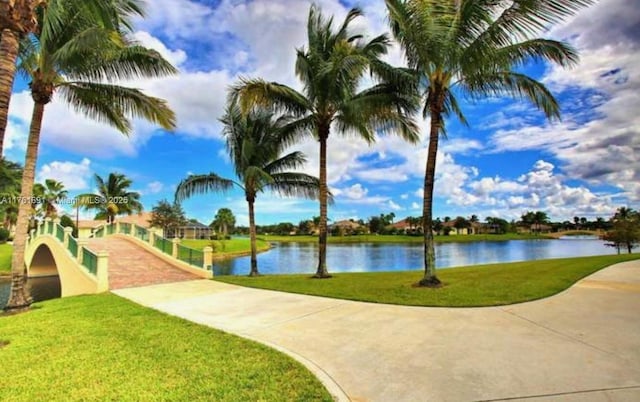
{"type": "Point", "coordinates": [44, 277]}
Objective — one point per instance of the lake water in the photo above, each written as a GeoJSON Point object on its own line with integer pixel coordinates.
{"type": "Point", "coordinates": [289, 258]}
{"type": "Point", "coordinates": [44, 288]}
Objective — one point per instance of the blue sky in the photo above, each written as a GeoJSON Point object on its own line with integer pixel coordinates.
{"type": "Point", "coordinates": [509, 161]}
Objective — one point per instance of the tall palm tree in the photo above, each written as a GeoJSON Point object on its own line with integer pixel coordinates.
{"type": "Point", "coordinates": [474, 48]}
{"type": "Point", "coordinates": [255, 142]}
{"type": "Point", "coordinates": [49, 193]}
{"type": "Point", "coordinates": [10, 174]}
{"type": "Point", "coordinates": [19, 18]}
{"type": "Point", "coordinates": [79, 62]}
{"type": "Point", "coordinates": [113, 198]}
{"type": "Point", "coordinates": [331, 69]}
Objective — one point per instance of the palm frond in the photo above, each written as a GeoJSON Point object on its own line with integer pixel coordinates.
{"type": "Point", "coordinates": [250, 93]}
{"type": "Point", "coordinates": [292, 160]}
{"type": "Point", "coordinates": [518, 85]}
{"type": "Point", "coordinates": [290, 184]}
{"type": "Point", "coordinates": [114, 105]}
{"type": "Point", "coordinates": [120, 64]}
{"type": "Point", "coordinates": [202, 184]}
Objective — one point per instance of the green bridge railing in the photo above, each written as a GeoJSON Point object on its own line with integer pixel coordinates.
{"type": "Point", "coordinates": [86, 257]}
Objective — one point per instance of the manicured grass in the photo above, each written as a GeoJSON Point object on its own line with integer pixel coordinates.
{"type": "Point", "coordinates": [404, 238]}
{"type": "Point", "coordinates": [102, 347]}
{"type": "Point", "coordinates": [6, 250]}
{"type": "Point", "coordinates": [482, 285]}
{"type": "Point", "coordinates": [228, 248]}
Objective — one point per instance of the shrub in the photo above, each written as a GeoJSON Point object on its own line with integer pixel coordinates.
{"type": "Point", "coordinates": [4, 235]}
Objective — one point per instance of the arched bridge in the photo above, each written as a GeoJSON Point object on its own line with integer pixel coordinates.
{"type": "Point", "coordinates": [117, 256]}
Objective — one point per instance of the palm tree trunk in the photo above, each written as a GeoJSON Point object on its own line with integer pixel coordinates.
{"type": "Point", "coordinates": [322, 227]}
{"type": "Point", "coordinates": [252, 238]}
{"type": "Point", "coordinates": [8, 55]}
{"type": "Point", "coordinates": [20, 298]}
{"type": "Point", "coordinates": [430, 278]}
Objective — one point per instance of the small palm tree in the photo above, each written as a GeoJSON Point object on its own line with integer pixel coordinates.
{"type": "Point", "coordinates": [331, 69]}
{"type": "Point", "coordinates": [49, 194]}
{"type": "Point", "coordinates": [474, 48]}
{"type": "Point", "coordinates": [255, 142]}
{"type": "Point", "coordinates": [224, 219]}
{"type": "Point", "coordinates": [79, 61]}
{"type": "Point", "coordinates": [112, 198]}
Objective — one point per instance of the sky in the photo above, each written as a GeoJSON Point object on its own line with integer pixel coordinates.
{"type": "Point", "coordinates": [509, 160]}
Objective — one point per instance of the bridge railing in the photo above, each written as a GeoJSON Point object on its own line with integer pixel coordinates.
{"type": "Point", "coordinates": [94, 263]}
{"type": "Point", "coordinates": [201, 259]}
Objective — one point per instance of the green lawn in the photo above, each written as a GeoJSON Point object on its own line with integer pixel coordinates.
{"type": "Point", "coordinates": [404, 238]}
{"type": "Point", "coordinates": [482, 285]}
{"type": "Point", "coordinates": [103, 347]}
{"type": "Point", "coordinates": [224, 248]}
{"type": "Point", "coordinates": [5, 258]}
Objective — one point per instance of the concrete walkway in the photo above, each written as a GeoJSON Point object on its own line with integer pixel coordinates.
{"type": "Point", "coordinates": [581, 345]}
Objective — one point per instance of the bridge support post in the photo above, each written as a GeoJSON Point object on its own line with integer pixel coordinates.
{"type": "Point", "coordinates": [46, 225]}
{"type": "Point", "coordinates": [32, 236]}
{"type": "Point", "coordinates": [56, 221]}
{"type": "Point", "coordinates": [67, 232]}
{"type": "Point", "coordinates": [82, 243]}
{"type": "Point", "coordinates": [117, 228]}
{"type": "Point", "coordinates": [207, 261]}
{"type": "Point", "coordinates": [152, 236]}
{"type": "Point", "coordinates": [102, 271]}
{"type": "Point", "coordinates": [174, 250]}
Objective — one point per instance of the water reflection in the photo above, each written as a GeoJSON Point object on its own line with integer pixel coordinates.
{"type": "Point", "coordinates": [44, 288]}
{"type": "Point", "coordinates": [287, 258]}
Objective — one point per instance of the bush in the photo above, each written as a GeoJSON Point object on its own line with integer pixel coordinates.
{"type": "Point", "coordinates": [4, 235]}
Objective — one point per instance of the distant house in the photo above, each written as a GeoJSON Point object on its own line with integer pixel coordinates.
{"type": "Point", "coordinates": [406, 226]}
{"type": "Point", "coordinates": [475, 228]}
{"type": "Point", "coordinates": [347, 227]}
{"type": "Point", "coordinates": [192, 230]}
{"type": "Point", "coordinates": [87, 227]}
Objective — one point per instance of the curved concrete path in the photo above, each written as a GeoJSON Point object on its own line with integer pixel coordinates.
{"type": "Point", "coordinates": [581, 345]}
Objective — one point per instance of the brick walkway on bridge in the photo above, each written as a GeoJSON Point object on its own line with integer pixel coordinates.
{"type": "Point", "coordinates": [131, 266]}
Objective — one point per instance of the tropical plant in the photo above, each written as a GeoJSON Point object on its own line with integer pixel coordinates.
{"type": "Point", "coordinates": [10, 174]}
{"type": "Point", "coordinates": [19, 18]}
{"type": "Point", "coordinates": [331, 69]}
{"type": "Point", "coordinates": [168, 217]}
{"type": "Point", "coordinates": [48, 195]}
{"type": "Point", "coordinates": [625, 231]}
{"type": "Point", "coordinates": [113, 197]}
{"type": "Point", "coordinates": [224, 220]}
{"type": "Point", "coordinates": [474, 48]}
{"type": "Point", "coordinates": [79, 61]}
{"type": "Point", "coordinates": [255, 142]}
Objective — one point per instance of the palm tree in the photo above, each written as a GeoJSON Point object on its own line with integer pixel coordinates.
{"type": "Point", "coordinates": [474, 48]}
{"type": "Point", "coordinates": [255, 142]}
{"type": "Point", "coordinates": [18, 18]}
{"type": "Point", "coordinates": [224, 219]}
{"type": "Point", "coordinates": [78, 62]}
{"type": "Point", "coordinates": [49, 194]}
{"type": "Point", "coordinates": [113, 198]}
{"type": "Point", "coordinates": [10, 174]}
{"type": "Point", "coordinates": [331, 69]}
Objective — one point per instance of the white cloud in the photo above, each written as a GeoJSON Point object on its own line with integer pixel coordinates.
{"type": "Point", "coordinates": [153, 188]}
{"type": "Point", "coordinates": [355, 192]}
{"type": "Point", "coordinates": [74, 176]}
{"type": "Point", "coordinates": [176, 57]}
{"type": "Point", "coordinates": [394, 206]}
